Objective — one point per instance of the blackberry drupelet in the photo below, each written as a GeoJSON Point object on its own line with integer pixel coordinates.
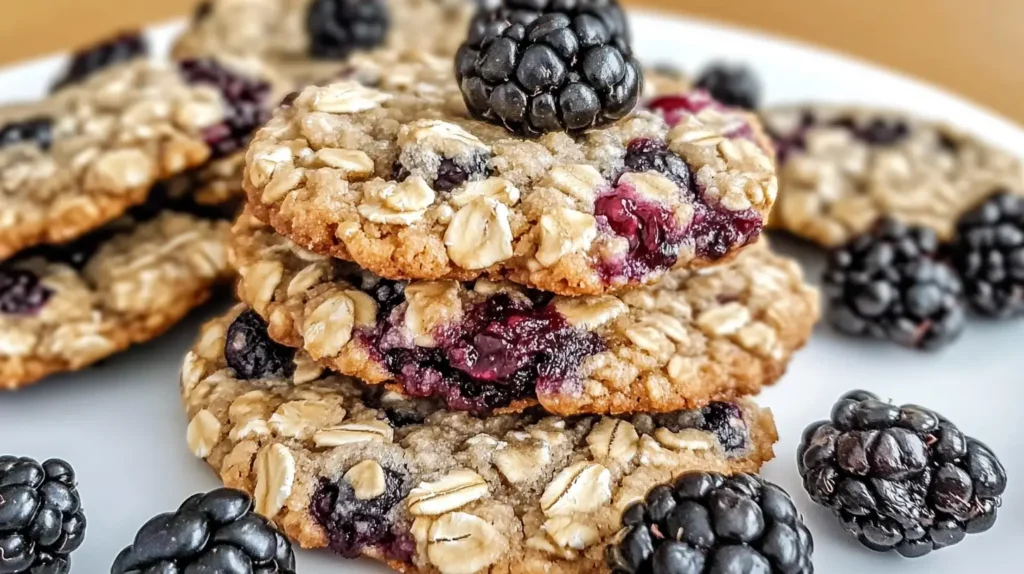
{"type": "Point", "coordinates": [41, 518]}
{"type": "Point", "coordinates": [117, 50]}
{"type": "Point", "coordinates": [247, 99]}
{"type": "Point", "coordinates": [537, 67]}
{"type": "Point", "coordinates": [339, 27]}
{"type": "Point", "coordinates": [250, 352]}
{"type": "Point", "coordinates": [889, 284]}
{"type": "Point", "coordinates": [731, 85]}
{"type": "Point", "coordinates": [988, 252]}
{"type": "Point", "coordinates": [38, 131]}
{"type": "Point", "coordinates": [709, 522]}
{"type": "Point", "coordinates": [213, 532]}
{"type": "Point", "coordinates": [21, 292]}
{"type": "Point", "coordinates": [900, 478]}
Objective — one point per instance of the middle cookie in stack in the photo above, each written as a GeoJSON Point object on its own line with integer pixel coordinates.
{"type": "Point", "coordinates": [468, 344]}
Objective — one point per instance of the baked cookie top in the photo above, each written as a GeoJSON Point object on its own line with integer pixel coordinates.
{"type": "Point", "coordinates": [362, 471]}
{"type": "Point", "coordinates": [65, 307]}
{"type": "Point", "coordinates": [841, 169]}
{"type": "Point", "coordinates": [692, 337]}
{"type": "Point", "coordinates": [81, 157]}
{"type": "Point", "coordinates": [309, 40]}
{"type": "Point", "coordinates": [407, 186]}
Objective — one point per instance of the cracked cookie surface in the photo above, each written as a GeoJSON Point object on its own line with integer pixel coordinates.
{"type": "Point", "coordinates": [278, 32]}
{"type": "Point", "coordinates": [65, 307]}
{"type": "Point", "coordinates": [843, 168]}
{"type": "Point", "coordinates": [407, 186]}
{"type": "Point", "coordinates": [83, 156]}
{"type": "Point", "coordinates": [365, 472]}
{"type": "Point", "coordinates": [692, 337]}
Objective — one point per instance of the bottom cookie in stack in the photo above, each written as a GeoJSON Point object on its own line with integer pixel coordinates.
{"type": "Point", "coordinates": [64, 307]}
{"type": "Point", "coordinates": [364, 471]}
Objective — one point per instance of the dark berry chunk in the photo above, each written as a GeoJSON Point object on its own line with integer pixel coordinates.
{"type": "Point", "coordinates": [989, 254]}
{"type": "Point", "coordinates": [214, 532]}
{"type": "Point", "coordinates": [889, 284]}
{"type": "Point", "coordinates": [724, 420]}
{"type": "Point", "coordinates": [339, 27]}
{"type": "Point", "coordinates": [37, 131]}
{"type": "Point", "coordinates": [450, 173]}
{"type": "Point", "coordinates": [653, 233]}
{"type": "Point", "coordinates": [353, 524]}
{"type": "Point", "coordinates": [21, 292]}
{"type": "Point", "coordinates": [117, 50]}
{"type": "Point", "coordinates": [877, 131]}
{"type": "Point", "coordinates": [543, 66]}
{"type": "Point", "coordinates": [502, 351]}
{"type": "Point", "coordinates": [41, 519]}
{"type": "Point", "coordinates": [900, 478]}
{"type": "Point", "coordinates": [247, 99]}
{"type": "Point", "coordinates": [736, 86]}
{"type": "Point", "coordinates": [252, 354]}
{"type": "Point", "coordinates": [708, 522]}
{"type": "Point", "coordinates": [653, 155]}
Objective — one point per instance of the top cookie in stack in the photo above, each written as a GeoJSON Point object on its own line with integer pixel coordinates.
{"type": "Point", "coordinates": [531, 230]}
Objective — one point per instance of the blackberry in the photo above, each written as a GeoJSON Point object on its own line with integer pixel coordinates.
{"type": "Point", "coordinates": [41, 518]}
{"type": "Point", "coordinates": [731, 85]}
{"type": "Point", "coordinates": [117, 50]}
{"type": "Point", "coordinates": [21, 292]}
{"type": "Point", "coordinates": [353, 524]}
{"type": "Point", "coordinates": [247, 99]}
{"type": "Point", "coordinates": [988, 252]}
{"type": "Point", "coordinates": [252, 354]}
{"type": "Point", "coordinates": [339, 27]}
{"type": "Point", "coordinates": [889, 284]}
{"type": "Point", "coordinates": [562, 65]}
{"type": "Point", "coordinates": [709, 522]}
{"type": "Point", "coordinates": [213, 532]}
{"type": "Point", "coordinates": [900, 478]}
{"type": "Point", "coordinates": [38, 131]}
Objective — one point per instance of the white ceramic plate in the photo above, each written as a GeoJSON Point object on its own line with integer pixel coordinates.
{"type": "Point", "coordinates": [122, 426]}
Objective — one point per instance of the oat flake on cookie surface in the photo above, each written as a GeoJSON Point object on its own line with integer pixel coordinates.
{"type": "Point", "coordinates": [407, 186]}
{"type": "Point", "coordinates": [83, 156]}
{"type": "Point", "coordinates": [841, 169]}
{"type": "Point", "coordinates": [366, 472]}
{"type": "Point", "coordinates": [65, 307]}
{"type": "Point", "coordinates": [692, 337]}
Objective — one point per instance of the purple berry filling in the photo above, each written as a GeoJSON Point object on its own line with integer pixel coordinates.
{"type": "Point", "coordinates": [654, 234]}
{"type": "Point", "coordinates": [21, 292]}
{"type": "Point", "coordinates": [353, 525]}
{"type": "Point", "coordinates": [675, 108]}
{"type": "Point", "coordinates": [247, 99]}
{"type": "Point", "coordinates": [504, 350]}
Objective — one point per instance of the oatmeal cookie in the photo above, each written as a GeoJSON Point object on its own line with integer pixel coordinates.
{"type": "Point", "coordinates": [65, 307]}
{"type": "Point", "coordinates": [366, 472]}
{"type": "Point", "coordinates": [308, 41]}
{"type": "Point", "coordinates": [83, 156]}
{"type": "Point", "coordinates": [693, 337]}
{"type": "Point", "coordinates": [842, 168]}
{"type": "Point", "coordinates": [407, 186]}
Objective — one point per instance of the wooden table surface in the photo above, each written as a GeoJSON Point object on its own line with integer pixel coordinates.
{"type": "Point", "coordinates": [971, 49]}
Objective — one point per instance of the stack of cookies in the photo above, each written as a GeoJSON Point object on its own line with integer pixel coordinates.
{"type": "Point", "coordinates": [113, 188]}
{"type": "Point", "coordinates": [482, 312]}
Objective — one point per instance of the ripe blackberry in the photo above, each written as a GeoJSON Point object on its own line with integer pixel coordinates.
{"type": "Point", "coordinates": [119, 49]}
{"type": "Point", "coordinates": [339, 27]}
{"type": "Point", "coordinates": [536, 66]}
{"type": "Point", "coordinates": [247, 100]}
{"type": "Point", "coordinates": [989, 254]}
{"type": "Point", "coordinates": [731, 85]}
{"type": "Point", "coordinates": [21, 292]}
{"type": "Point", "coordinates": [888, 284]}
{"type": "Point", "coordinates": [250, 352]}
{"type": "Point", "coordinates": [41, 518]}
{"type": "Point", "coordinates": [213, 532]}
{"type": "Point", "coordinates": [900, 478]}
{"type": "Point", "coordinates": [38, 131]}
{"type": "Point", "coordinates": [709, 522]}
